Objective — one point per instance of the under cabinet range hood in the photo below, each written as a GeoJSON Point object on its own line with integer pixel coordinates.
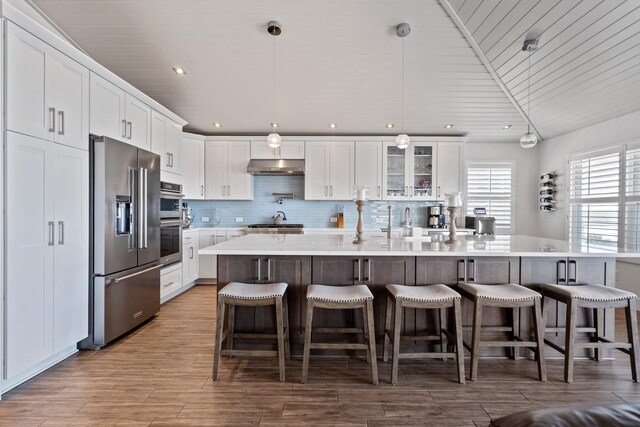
{"type": "Point", "coordinates": [275, 167]}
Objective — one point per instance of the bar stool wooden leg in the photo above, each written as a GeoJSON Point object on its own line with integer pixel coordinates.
{"type": "Point", "coordinates": [475, 339]}
{"type": "Point", "coordinates": [387, 329]}
{"type": "Point", "coordinates": [307, 342]}
{"type": "Point", "coordinates": [632, 333]}
{"type": "Point", "coordinates": [444, 345]}
{"type": "Point", "coordinates": [515, 330]}
{"type": "Point", "coordinates": [457, 313]}
{"type": "Point", "coordinates": [231, 318]}
{"type": "Point", "coordinates": [539, 336]}
{"type": "Point", "coordinates": [598, 320]}
{"type": "Point", "coordinates": [219, 331]}
{"type": "Point", "coordinates": [280, 332]}
{"type": "Point", "coordinates": [365, 331]}
{"type": "Point", "coordinates": [372, 341]}
{"type": "Point", "coordinates": [397, 326]}
{"type": "Point", "coordinates": [570, 339]}
{"type": "Point", "coordinates": [287, 343]}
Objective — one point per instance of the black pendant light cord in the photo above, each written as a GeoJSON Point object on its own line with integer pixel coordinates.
{"type": "Point", "coordinates": [402, 124]}
{"type": "Point", "coordinates": [273, 99]}
{"type": "Point", "coordinates": [529, 97]}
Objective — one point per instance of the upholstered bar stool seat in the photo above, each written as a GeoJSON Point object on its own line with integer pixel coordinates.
{"type": "Point", "coordinates": [249, 294]}
{"type": "Point", "coordinates": [341, 298]}
{"type": "Point", "coordinates": [505, 296]}
{"type": "Point", "coordinates": [598, 298]}
{"type": "Point", "coordinates": [438, 297]}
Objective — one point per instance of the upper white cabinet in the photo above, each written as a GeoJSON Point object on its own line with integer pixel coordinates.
{"type": "Point", "coordinates": [47, 92]}
{"type": "Point", "coordinates": [226, 174]}
{"type": "Point", "coordinates": [287, 150]}
{"type": "Point", "coordinates": [448, 178]}
{"type": "Point", "coordinates": [409, 174]}
{"type": "Point", "coordinates": [329, 170]}
{"type": "Point", "coordinates": [192, 159]}
{"type": "Point", "coordinates": [47, 256]}
{"type": "Point", "coordinates": [116, 114]}
{"type": "Point", "coordinates": [369, 167]}
{"type": "Point", "coordinates": [165, 141]}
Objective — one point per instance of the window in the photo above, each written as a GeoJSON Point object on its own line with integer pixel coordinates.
{"type": "Point", "coordinates": [489, 186]}
{"type": "Point", "coordinates": [604, 199]}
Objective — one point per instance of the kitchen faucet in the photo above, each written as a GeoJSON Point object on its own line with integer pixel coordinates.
{"type": "Point", "coordinates": [407, 216]}
{"type": "Point", "coordinates": [388, 229]}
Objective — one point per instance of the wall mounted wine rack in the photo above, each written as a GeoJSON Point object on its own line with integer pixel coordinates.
{"type": "Point", "coordinates": [547, 192]}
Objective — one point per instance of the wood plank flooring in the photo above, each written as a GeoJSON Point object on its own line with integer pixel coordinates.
{"type": "Point", "coordinates": [161, 375]}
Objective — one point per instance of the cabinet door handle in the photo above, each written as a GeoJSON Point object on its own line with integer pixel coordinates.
{"type": "Point", "coordinates": [124, 128]}
{"type": "Point", "coordinates": [51, 233]}
{"type": "Point", "coordinates": [228, 190]}
{"type": "Point", "coordinates": [61, 117]}
{"type": "Point", "coordinates": [61, 232]}
{"type": "Point", "coordinates": [168, 160]}
{"type": "Point", "coordinates": [212, 241]}
{"type": "Point", "coordinates": [357, 265]}
{"type": "Point", "coordinates": [259, 270]}
{"type": "Point", "coordinates": [202, 190]}
{"type": "Point", "coordinates": [130, 126]}
{"type": "Point", "coordinates": [367, 278]}
{"type": "Point", "coordinates": [331, 190]}
{"type": "Point", "coordinates": [406, 190]}
{"type": "Point", "coordinates": [473, 270]}
{"type": "Point", "coordinates": [268, 270]}
{"type": "Point", "coordinates": [461, 277]}
{"type": "Point", "coordinates": [562, 271]}
{"type": "Point", "coordinates": [52, 118]}
{"type": "Point", "coordinates": [191, 250]}
{"type": "Point", "coordinates": [172, 164]}
{"type": "Point", "coordinates": [438, 191]}
{"type": "Point", "coordinates": [326, 190]}
{"type": "Point", "coordinates": [168, 284]}
{"type": "Point", "coordinates": [379, 191]}
{"type": "Point", "coordinates": [411, 191]}
{"type": "Point", "coordinates": [573, 279]}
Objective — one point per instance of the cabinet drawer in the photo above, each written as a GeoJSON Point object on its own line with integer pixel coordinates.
{"type": "Point", "coordinates": [170, 282]}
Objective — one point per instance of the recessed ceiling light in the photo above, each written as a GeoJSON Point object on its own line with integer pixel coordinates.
{"type": "Point", "coordinates": [217, 125]}
{"type": "Point", "coordinates": [274, 125]}
{"type": "Point", "coordinates": [333, 125]}
{"type": "Point", "coordinates": [448, 126]}
{"type": "Point", "coordinates": [506, 127]}
{"type": "Point", "coordinates": [180, 71]}
{"type": "Point", "coordinates": [390, 125]}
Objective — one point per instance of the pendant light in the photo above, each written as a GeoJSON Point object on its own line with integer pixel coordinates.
{"type": "Point", "coordinates": [403, 140]}
{"type": "Point", "coordinates": [529, 139]}
{"type": "Point", "coordinates": [274, 139]}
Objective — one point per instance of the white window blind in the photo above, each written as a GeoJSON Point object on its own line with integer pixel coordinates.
{"type": "Point", "coordinates": [632, 200]}
{"type": "Point", "coordinates": [594, 200]}
{"type": "Point", "coordinates": [489, 186]}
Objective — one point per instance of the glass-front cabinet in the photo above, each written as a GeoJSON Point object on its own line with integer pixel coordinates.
{"type": "Point", "coordinates": [409, 174]}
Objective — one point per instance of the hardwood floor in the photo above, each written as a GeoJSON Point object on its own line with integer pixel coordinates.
{"type": "Point", "coordinates": [161, 375]}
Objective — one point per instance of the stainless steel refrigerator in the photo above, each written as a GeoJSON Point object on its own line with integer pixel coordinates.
{"type": "Point", "coordinates": [125, 239]}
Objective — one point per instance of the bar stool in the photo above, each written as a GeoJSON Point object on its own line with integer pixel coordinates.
{"type": "Point", "coordinates": [248, 294]}
{"type": "Point", "coordinates": [504, 296]}
{"type": "Point", "coordinates": [422, 297]}
{"type": "Point", "coordinates": [341, 298]}
{"type": "Point", "coordinates": [596, 297]}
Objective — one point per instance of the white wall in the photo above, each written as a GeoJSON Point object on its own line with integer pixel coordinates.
{"type": "Point", "coordinates": [526, 173]}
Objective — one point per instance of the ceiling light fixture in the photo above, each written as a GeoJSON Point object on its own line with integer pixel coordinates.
{"type": "Point", "coordinates": [217, 125]}
{"type": "Point", "coordinates": [403, 140]}
{"type": "Point", "coordinates": [390, 126]}
{"type": "Point", "coordinates": [529, 140]}
{"type": "Point", "coordinates": [274, 139]}
{"type": "Point", "coordinates": [448, 126]}
{"type": "Point", "coordinates": [506, 127]}
{"type": "Point", "coordinates": [333, 125]}
{"type": "Point", "coordinates": [180, 71]}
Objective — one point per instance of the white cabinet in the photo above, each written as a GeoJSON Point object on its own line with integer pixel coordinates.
{"type": "Point", "coordinates": [170, 280]}
{"type": "Point", "coordinates": [165, 141]}
{"type": "Point", "coordinates": [118, 115]}
{"type": "Point", "coordinates": [192, 159]}
{"type": "Point", "coordinates": [189, 257]}
{"type": "Point", "coordinates": [287, 150]}
{"type": "Point", "coordinates": [207, 263]}
{"type": "Point", "coordinates": [448, 178]}
{"type": "Point", "coordinates": [226, 174]}
{"type": "Point", "coordinates": [329, 170]}
{"type": "Point", "coordinates": [409, 174]}
{"type": "Point", "coordinates": [47, 250]}
{"type": "Point", "coordinates": [47, 92]}
{"type": "Point", "coordinates": [369, 167]}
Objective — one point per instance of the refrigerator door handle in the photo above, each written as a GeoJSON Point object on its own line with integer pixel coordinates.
{"type": "Point", "coordinates": [145, 203]}
{"type": "Point", "coordinates": [140, 202]}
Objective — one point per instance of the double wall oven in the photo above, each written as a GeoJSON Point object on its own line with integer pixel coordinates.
{"type": "Point", "coordinates": [170, 223]}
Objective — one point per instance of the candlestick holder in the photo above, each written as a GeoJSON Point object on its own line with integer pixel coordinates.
{"type": "Point", "coordinates": [453, 211]}
{"type": "Point", "coordinates": [360, 197]}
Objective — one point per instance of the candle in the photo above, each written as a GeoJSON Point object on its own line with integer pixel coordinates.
{"type": "Point", "coordinates": [361, 193]}
{"type": "Point", "coordinates": [454, 200]}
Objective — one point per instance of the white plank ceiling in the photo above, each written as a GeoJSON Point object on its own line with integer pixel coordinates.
{"type": "Point", "coordinates": [587, 68]}
{"type": "Point", "coordinates": [340, 61]}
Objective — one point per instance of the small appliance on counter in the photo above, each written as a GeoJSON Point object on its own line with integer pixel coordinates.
{"type": "Point", "coordinates": [481, 223]}
{"type": "Point", "coordinates": [435, 216]}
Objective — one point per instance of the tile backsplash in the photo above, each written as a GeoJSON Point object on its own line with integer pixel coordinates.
{"type": "Point", "coordinates": [311, 213]}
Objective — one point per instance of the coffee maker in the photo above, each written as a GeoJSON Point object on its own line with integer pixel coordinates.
{"type": "Point", "coordinates": [435, 216]}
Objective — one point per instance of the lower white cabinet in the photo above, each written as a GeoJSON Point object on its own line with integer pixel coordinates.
{"type": "Point", "coordinates": [189, 257]}
{"type": "Point", "coordinates": [208, 263]}
{"type": "Point", "coordinates": [46, 298]}
{"type": "Point", "coordinates": [170, 280]}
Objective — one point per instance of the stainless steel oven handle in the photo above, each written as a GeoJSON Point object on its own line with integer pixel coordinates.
{"type": "Point", "coordinates": [129, 276]}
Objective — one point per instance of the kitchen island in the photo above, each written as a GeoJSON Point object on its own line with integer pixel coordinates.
{"type": "Point", "coordinates": [300, 260]}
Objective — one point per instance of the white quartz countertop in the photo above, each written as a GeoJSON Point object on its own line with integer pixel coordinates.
{"type": "Point", "coordinates": [340, 245]}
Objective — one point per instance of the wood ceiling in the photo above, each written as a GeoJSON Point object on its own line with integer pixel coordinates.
{"type": "Point", "coordinates": [340, 61]}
